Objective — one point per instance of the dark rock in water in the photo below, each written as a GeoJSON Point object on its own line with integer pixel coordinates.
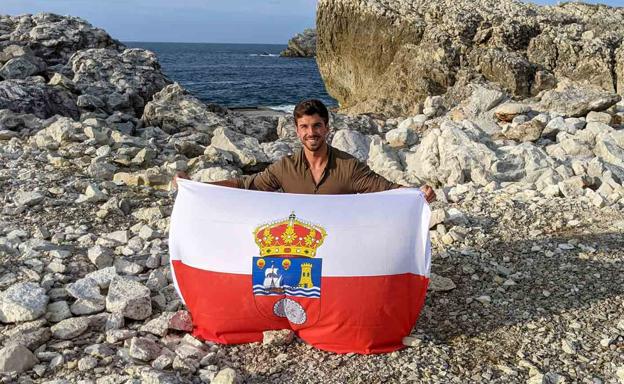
{"type": "Point", "coordinates": [388, 56]}
{"type": "Point", "coordinates": [302, 45]}
{"type": "Point", "coordinates": [33, 95]}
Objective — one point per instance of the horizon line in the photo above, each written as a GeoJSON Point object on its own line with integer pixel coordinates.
{"type": "Point", "coordinates": [196, 42]}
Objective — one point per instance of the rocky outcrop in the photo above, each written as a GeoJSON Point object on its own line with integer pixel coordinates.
{"type": "Point", "coordinates": [388, 56]}
{"type": "Point", "coordinates": [302, 45]}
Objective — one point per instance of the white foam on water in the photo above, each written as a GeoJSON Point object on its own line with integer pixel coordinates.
{"type": "Point", "coordinates": [288, 108]}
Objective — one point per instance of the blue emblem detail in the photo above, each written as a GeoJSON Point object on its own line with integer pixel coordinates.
{"type": "Point", "coordinates": [277, 276]}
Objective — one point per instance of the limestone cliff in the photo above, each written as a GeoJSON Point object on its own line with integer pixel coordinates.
{"type": "Point", "coordinates": [388, 55]}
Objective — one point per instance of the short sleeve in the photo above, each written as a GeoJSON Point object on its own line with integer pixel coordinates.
{"type": "Point", "coordinates": [366, 181]}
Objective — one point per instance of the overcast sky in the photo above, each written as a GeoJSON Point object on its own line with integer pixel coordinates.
{"type": "Point", "coordinates": [218, 21]}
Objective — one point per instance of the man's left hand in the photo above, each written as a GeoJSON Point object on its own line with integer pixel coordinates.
{"type": "Point", "coordinates": [429, 193]}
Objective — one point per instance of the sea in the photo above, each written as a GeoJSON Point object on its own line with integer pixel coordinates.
{"type": "Point", "coordinates": [240, 75]}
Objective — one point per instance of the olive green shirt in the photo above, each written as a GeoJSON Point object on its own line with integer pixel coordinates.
{"type": "Point", "coordinates": [343, 174]}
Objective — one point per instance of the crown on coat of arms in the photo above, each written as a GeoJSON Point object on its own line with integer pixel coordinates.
{"type": "Point", "coordinates": [289, 236]}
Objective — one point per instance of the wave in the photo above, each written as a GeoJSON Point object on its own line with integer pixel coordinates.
{"type": "Point", "coordinates": [288, 108]}
{"type": "Point", "coordinates": [264, 54]}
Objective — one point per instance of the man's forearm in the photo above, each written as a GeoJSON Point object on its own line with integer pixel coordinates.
{"type": "Point", "coordinates": [232, 183]}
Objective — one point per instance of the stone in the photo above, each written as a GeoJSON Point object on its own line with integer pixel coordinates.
{"type": "Point", "coordinates": [22, 302]}
{"type": "Point", "coordinates": [507, 112]}
{"type": "Point", "coordinates": [529, 131]}
{"type": "Point", "coordinates": [144, 349]}
{"type": "Point", "coordinates": [401, 137]}
{"type": "Point", "coordinates": [439, 283]}
{"type": "Point", "coordinates": [101, 257]}
{"type": "Point", "coordinates": [21, 67]}
{"type": "Point", "coordinates": [174, 109]}
{"type": "Point", "coordinates": [57, 311]}
{"type": "Point", "coordinates": [245, 149]}
{"type": "Point", "coordinates": [28, 198]}
{"type": "Point", "coordinates": [353, 142]}
{"type": "Point", "coordinates": [599, 117]}
{"type": "Point", "coordinates": [70, 328]}
{"type": "Point", "coordinates": [225, 376]}
{"type": "Point", "coordinates": [301, 45]}
{"type": "Point", "coordinates": [16, 358]}
{"type": "Point", "coordinates": [279, 337]}
{"type": "Point", "coordinates": [87, 363]}
{"type": "Point", "coordinates": [575, 100]}
{"type": "Point", "coordinates": [181, 321]}
{"type": "Point", "coordinates": [129, 298]}
{"type": "Point", "coordinates": [32, 95]}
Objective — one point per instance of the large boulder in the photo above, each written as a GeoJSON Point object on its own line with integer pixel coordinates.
{"type": "Point", "coordinates": [22, 302]}
{"type": "Point", "coordinates": [32, 95]}
{"type": "Point", "coordinates": [124, 81]}
{"type": "Point", "coordinates": [388, 56]}
{"type": "Point", "coordinates": [302, 45]}
{"type": "Point", "coordinates": [54, 38]}
{"type": "Point", "coordinates": [174, 110]}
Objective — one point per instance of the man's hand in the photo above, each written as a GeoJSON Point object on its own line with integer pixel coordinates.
{"type": "Point", "coordinates": [429, 193]}
{"type": "Point", "coordinates": [181, 175]}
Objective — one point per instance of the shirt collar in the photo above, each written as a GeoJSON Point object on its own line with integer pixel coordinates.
{"type": "Point", "coordinates": [303, 160]}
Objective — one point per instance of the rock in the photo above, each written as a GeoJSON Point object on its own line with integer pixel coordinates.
{"type": "Point", "coordinates": [352, 142]}
{"type": "Point", "coordinates": [181, 321]}
{"type": "Point", "coordinates": [22, 302]}
{"type": "Point", "coordinates": [16, 358]}
{"type": "Point", "coordinates": [57, 311]}
{"type": "Point", "coordinates": [573, 99]}
{"type": "Point", "coordinates": [143, 349]}
{"type": "Point", "coordinates": [105, 72]}
{"type": "Point", "coordinates": [28, 198]}
{"type": "Point", "coordinates": [279, 337]}
{"type": "Point", "coordinates": [507, 112]}
{"type": "Point", "coordinates": [87, 363]}
{"type": "Point", "coordinates": [129, 298]}
{"type": "Point", "coordinates": [529, 131]}
{"type": "Point", "coordinates": [302, 45]}
{"type": "Point", "coordinates": [21, 67]}
{"type": "Point", "coordinates": [225, 376]}
{"type": "Point", "coordinates": [245, 149]}
{"type": "Point", "coordinates": [101, 257]}
{"type": "Point", "coordinates": [34, 96]}
{"type": "Point", "coordinates": [401, 137]}
{"type": "Point", "coordinates": [599, 117]}
{"type": "Point", "coordinates": [70, 328]}
{"type": "Point", "coordinates": [520, 47]}
{"type": "Point", "coordinates": [173, 109]}
{"type": "Point", "coordinates": [439, 283]}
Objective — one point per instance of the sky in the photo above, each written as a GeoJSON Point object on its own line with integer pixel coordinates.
{"type": "Point", "coordinates": [214, 21]}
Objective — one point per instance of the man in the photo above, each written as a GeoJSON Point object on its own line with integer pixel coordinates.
{"type": "Point", "coordinates": [317, 168]}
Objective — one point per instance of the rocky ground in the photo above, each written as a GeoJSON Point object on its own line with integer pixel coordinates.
{"type": "Point", "coordinates": [527, 233]}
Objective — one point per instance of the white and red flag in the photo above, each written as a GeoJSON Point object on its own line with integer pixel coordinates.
{"type": "Point", "coordinates": [347, 273]}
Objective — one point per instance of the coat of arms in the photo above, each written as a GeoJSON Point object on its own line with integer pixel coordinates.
{"type": "Point", "coordinates": [287, 273]}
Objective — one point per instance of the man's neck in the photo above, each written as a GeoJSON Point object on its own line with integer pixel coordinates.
{"type": "Point", "coordinates": [317, 159]}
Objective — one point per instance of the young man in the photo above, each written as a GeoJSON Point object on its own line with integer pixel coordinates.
{"type": "Point", "coordinates": [317, 168]}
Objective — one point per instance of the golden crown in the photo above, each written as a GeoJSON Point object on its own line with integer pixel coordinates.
{"type": "Point", "coordinates": [289, 237]}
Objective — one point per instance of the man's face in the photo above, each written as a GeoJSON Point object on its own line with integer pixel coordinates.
{"type": "Point", "coordinates": [312, 131]}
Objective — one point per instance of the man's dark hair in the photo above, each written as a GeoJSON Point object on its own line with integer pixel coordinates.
{"type": "Point", "coordinates": [311, 107]}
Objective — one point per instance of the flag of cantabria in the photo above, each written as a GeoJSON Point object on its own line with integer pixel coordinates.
{"type": "Point", "coordinates": [347, 273]}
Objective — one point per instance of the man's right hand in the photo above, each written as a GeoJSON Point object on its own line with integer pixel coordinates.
{"type": "Point", "coordinates": [181, 175]}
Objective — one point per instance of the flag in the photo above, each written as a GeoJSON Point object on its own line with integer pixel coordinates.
{"type": "Point", "coordinates": [347, 273]}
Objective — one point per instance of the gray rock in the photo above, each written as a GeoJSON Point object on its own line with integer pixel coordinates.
{"type": "Point", "coordinates": [70, 328]}
{"type": "Point", "coordinates": [21, 67]}
{"type": "Point", "coordinates": [173, 109]}
{"type": "Point", "coordinates": [101, 257]}
{"type": "Point", "coordinates": [34, 96]}
{"type": "Point", "coordinates": [16, 358]}
{"type": "Point", "coordinates": [301, 45]}
{"type": "Point", "coordinates": [87, 363]}
{"type": "Point", "coordinates": [439, 283]}
{"type": "Point", "coordinates": [129, 298]}
{"type": "Point", "coordinates": [28, 198]}
{"type": "Point", "coordinates": [22, 302]}
{"type": "Point", "coordinates": [144, 349]}
{"type": "Point", "coordinates": [529, 131]}
{"type": "Point", "coordinates": [225, 376]}
{"type": "Point", "coordinates": [401, 137]}
{"type": "Point", "coordinates": [574, 99]}
{"type": "Point", "coordinates": [353, 142]}
{"type": "Point", "coordinates": [507, 112]}
{"type": "Point", "coordinates": [279, 337]}
{"type": "Point", "coordinates": [57, 311]}
{"type": "Point", "coordinates": [245, 149]}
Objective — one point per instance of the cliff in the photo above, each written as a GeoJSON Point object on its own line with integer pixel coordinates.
{"type": "Point", "coordinates": [389, 55]}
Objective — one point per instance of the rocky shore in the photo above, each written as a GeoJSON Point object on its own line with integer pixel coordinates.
{"type": "Point", "coordinates": [301, 45]}
{"type": "Point", "coordinates": [528, 252]}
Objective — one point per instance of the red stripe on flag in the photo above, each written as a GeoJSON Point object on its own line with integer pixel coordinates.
{"type": "Point", "coordinates": [368, 314]}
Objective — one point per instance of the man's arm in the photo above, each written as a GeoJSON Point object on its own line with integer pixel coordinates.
{"type": "Point", "coordinates": [267, 180]}
{"type": "Point", "coordinates": [365, 180]}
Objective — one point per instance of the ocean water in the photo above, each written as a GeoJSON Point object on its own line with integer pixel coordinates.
{"type": "Point", "coordinates": [240, 75]}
